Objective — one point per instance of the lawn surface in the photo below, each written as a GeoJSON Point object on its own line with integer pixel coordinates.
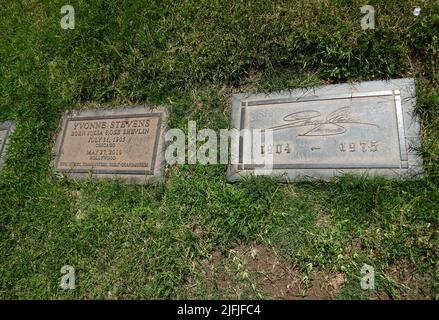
{"type": "Point", "coordinates": [196, 236]}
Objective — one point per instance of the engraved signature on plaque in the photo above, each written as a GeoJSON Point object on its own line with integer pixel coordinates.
{"type": "Point", "coordinates": [333, 124]}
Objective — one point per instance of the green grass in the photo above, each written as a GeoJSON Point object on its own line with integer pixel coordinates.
{"type": "Point", "coordinates": [129, 241]}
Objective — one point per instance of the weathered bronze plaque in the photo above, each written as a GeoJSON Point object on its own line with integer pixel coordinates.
{"type": "Point", "coordinates": [125, 143]}
{"type": "Point", "coordinates": [365, 128]}
{"type": "Point", "coordinates": [6, 129]}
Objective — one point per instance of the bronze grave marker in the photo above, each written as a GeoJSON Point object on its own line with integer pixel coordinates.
{"type": "Point", "coordinates": [362, 128]}
{"type": "Point", "coordinates": [127, 143]}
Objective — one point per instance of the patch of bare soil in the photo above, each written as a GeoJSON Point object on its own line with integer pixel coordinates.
{"type": "Point", "coordinates": [325, 285]}
{"type": "Point", "coordinates": [279, 279]}
{"type": "Point", "coordinates": [272, 276]}
{"type": "Point", "coordinates": [215, 270]}
{"type": "Point", "coordinates": [410, 284]}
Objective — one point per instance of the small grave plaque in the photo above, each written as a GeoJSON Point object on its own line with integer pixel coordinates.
{"type": "Point", "coordinates": [6, 128]}
{"type": "Point", "coordinates": [366, 127]}
{"type": "Point", "coordinates": [126, 143]}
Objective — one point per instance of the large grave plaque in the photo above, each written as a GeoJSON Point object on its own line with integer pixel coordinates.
{"type": "Point", "coordinates": [6, 128]}
{"type": "Point", "coordinates": [365, 128]}
{"type": "Point", "coordinates": [125, 143]}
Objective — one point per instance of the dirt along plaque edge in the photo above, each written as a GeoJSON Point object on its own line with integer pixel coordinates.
{"type": "Point", "coordinates": [9, 127]}
{"type": "Point", "coordinates": [408, 128]}
{"type": "Point", "coordinates": [156, 170]}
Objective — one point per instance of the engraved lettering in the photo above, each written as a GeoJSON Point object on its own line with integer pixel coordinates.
{"type": "Point", "coordinates": [334, 123]}
{"type": "Point", "coordinates": [119, 143]}
{"type": "Point", "coordinates": [279, 148]}
{"type": "Point", "coordinates": [359, 146]}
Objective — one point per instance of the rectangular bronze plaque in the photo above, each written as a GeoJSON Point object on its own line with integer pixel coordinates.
{"type": "Point", "coordinates": [126, 143]}
{"type": "Point", "coordinates": [366, 127]}
{"type": "Point", "coordinates": [6, 129]}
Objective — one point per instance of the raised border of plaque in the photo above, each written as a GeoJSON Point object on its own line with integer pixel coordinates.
{"type": "Point", "coordinates": [400, 91]}
{"type": "Point", "coordinates": [6, 129]}
{"type": "Point", "coordinates": [153, 173]}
